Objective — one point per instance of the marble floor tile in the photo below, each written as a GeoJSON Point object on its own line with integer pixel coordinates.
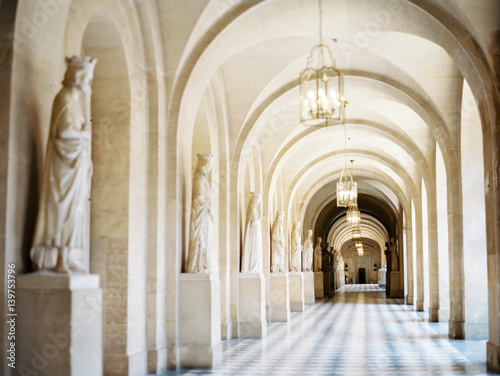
{"type": "Point", "coordinates": [357, 332]}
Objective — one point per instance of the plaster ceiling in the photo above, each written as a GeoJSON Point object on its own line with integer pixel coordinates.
{"type": "Point", "coordinates": [403, 90]}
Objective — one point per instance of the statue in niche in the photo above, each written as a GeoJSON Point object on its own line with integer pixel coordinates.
{"type": "Point", "coordinates": [62, 221]}
{"type": "Point", "coordinates": [200, 236]}
{"type": "Point", "coordinates": [308, 252]}
{"type": "Point", "coordinates": [393, 249]}
{"type": "Point", "coordinates": [318, 255]}
{"type": "Point", "coordinates": [251, 260]}
{"type": "Point", "coordinates": [296, 247]}
{"type": "Point", "coordinates": [278, 244]}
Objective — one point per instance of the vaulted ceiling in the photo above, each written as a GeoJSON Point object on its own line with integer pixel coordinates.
{"type": "Point", "coordinates": [403, 84]}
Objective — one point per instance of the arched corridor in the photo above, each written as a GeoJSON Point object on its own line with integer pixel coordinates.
{"type": "Point", "coordinates": [216, 218]}
{"type": "Point", "coordinates": [356, 332]}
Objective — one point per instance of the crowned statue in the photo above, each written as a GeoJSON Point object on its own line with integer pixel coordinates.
{"type": "Point", "coordinates": [62, 221]}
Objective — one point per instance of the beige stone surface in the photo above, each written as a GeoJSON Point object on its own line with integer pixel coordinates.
{"type": "Point", "coordinates": [309, 291]}
{"type": "Point", "coordinates": [296, 291]}
{"type": "Point", "coordinates": [251, 308]}
{"type": "Point", "coordinates": [279, 307]}
{"type": "Point", "coordinates": [199, 321]}
{"type": "Point", "coordinates": [59, 324]}
{"type": "Point", "coordinates": [178, 78]}
{"type": "Point", "coordinates": [319, 291]}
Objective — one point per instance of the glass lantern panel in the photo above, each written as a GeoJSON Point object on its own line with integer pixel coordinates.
{"type": "Point", "coordinates": [353, 193]}
{"type": "Point", "coordinates": [308, 101]}
{"type": "Point", "coordinates": [329, 82]}
{"type": "Point", "coordinates": [343, 194]}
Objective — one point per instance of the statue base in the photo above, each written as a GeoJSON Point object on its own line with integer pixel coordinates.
{"type": "Point", "coordinates": [309, 288]}
{"type": "Point", "coordinates": [327, 283]}
{"type": "Point", "coordinates": [409, 299]}
{"type": "Point", "coordinates": [395, 287]}
{"type": "Point", "coordinates": [296, 291]}
{"type": "Point", "coordinates": [252, 306]}
{"type": "Point", "coordinates": [200, 343]}
{"type": "Point", "coordinates": [493, 357]}
{"type": "Point", "coordinates": [59, 324]}
{"type": "Point", "coordinates": [456, 329]}
{"type": "Point", "coordinates": [279, 310]}
{"type": "Point", "coordinates": [319, 291]}
{"type": "Point", "coordinates": [433, 314]}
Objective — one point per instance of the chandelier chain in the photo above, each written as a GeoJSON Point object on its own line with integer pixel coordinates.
{"type": "Point", "coordinates": [320, 23]}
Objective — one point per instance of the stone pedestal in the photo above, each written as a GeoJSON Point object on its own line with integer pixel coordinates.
{"type": "Point", "coordinates": [493, 357]}
{"type": "Point", "coordinates": [319, 291]}
{"type": "Point", "coordinates": [326, 283]}
{"type": "Point", "coordinates": [279, 309]}
{"type": "Point", "coordinates": [58, 324]}
{"type": "Point", "coordinates": [199, 321]}
{"type": "Point", "coordinates": [456, 329]}
{"type": "Point", "coordinates": [409, 299]}
{"type": "Point", "coordinates": [395, 287]}
{"type": "Point", "coordinates": [296, 291]}
{"type": "Point", "coordinates": [309, 288]}
{"type": "Point", "coordinates": [252, 306]}
{"type": "Point", "coordinates": [433, 314]}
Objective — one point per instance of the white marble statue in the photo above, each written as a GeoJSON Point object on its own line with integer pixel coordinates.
{"type": "Point", "coordinates": [251, 259]}
{"type": "Point", "coordinates": [308, 252]}
{"type": "Point", "coordinates": [296, 249]}
{"type": "Point", "coordinates": [318, 256]}
{"type": "Point", "coordinates": [62, 222]}
{"type": "Point", "coordinates": [278, 244]}
{"type": "Point", "coordinates": [381, 276]}
{"type": "Point", "coordinates": [200, 236]}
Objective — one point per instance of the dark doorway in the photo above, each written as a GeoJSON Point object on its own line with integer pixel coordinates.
{"type": "Point", "coordinates": [362, 278]}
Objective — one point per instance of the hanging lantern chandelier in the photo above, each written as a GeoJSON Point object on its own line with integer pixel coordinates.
{"type": "Point", "coordinates": [359, 246]}
{"type": "Point", "coordinates": [347, 189]}
{"type": "Point", "coordinates": [321, 86]}
{"type": "Point", "coordinates": [353, 216]}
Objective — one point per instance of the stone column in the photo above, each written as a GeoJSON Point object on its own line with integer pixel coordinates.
{"type": "Point", "coordinates": [388, 257]}
{"type": "Point", "coordinates": [296, 291]}
{"type": "Point", "coordinates": [409, 260]}
{"type": "Point", "coordinates": [199, 320]}
{"type": "Point", "coordinates": [419, 256]}
{"type": "Point", "coordinates": [59, 324]}
{"type": "Point", "coordinates": [456, 252]}
{"type": "Point", "coordinates": [433, 255]}
{"type": "Point", "coordinates": [252, 306]}
{"type": "Point", "coordinates": [279, 309]}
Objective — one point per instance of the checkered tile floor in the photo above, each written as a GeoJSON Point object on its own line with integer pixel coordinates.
{"type": "Point", "coordinates": [357, 332]}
